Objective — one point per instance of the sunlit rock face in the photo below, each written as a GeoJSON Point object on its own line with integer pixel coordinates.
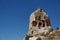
{"type": "Point", "coordinates": [39, 23]}
{"type": "Point", "coordinates": [40, 27]}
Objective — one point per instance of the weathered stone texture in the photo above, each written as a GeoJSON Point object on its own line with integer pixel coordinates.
{"type": "Point", "coordinates": [40, 27]}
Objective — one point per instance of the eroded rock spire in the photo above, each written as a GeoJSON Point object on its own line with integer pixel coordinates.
{"type": "Point", "coordinates": [39, 26]}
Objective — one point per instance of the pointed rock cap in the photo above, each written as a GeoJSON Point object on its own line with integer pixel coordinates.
{"type": "Point", "coordinates": [38, 10]}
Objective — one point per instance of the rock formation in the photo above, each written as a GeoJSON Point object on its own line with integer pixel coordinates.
{"type": "Point", "coordinates": [40, 27]}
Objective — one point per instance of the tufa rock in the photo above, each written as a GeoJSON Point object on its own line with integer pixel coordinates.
{"type": "Point", "coordinates": [40, 27]}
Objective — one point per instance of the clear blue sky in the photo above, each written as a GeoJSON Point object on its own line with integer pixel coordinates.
{"type": "Point", "coordinates": [14, 16]}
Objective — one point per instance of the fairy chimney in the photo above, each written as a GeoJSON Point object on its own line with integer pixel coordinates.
{"type": "Point", "coordinates": [40, 26]}
{"type": "Point", "coordinates": [39, 23]}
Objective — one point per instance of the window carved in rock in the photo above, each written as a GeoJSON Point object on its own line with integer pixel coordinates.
{"type": "Point", "coordinates": [34, 23]}
{"type": "Point", "coordinates": [38, 39]}
{"type": "Point", "coordinates": [45, 17]}
{"type": "Point", "coordinates": [38, 18]}
{"type": "Point", "coordinates": [39, 24]}
{"type": "Point", "coordinates": [32, 32]}
{"type": "Point", "coordinates": [48, 22]}
{"type": "Point", "coordinates": [43, 23]}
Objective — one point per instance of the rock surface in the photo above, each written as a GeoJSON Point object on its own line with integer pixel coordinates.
{"type": "Point", "coordinates": [40, 27]}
